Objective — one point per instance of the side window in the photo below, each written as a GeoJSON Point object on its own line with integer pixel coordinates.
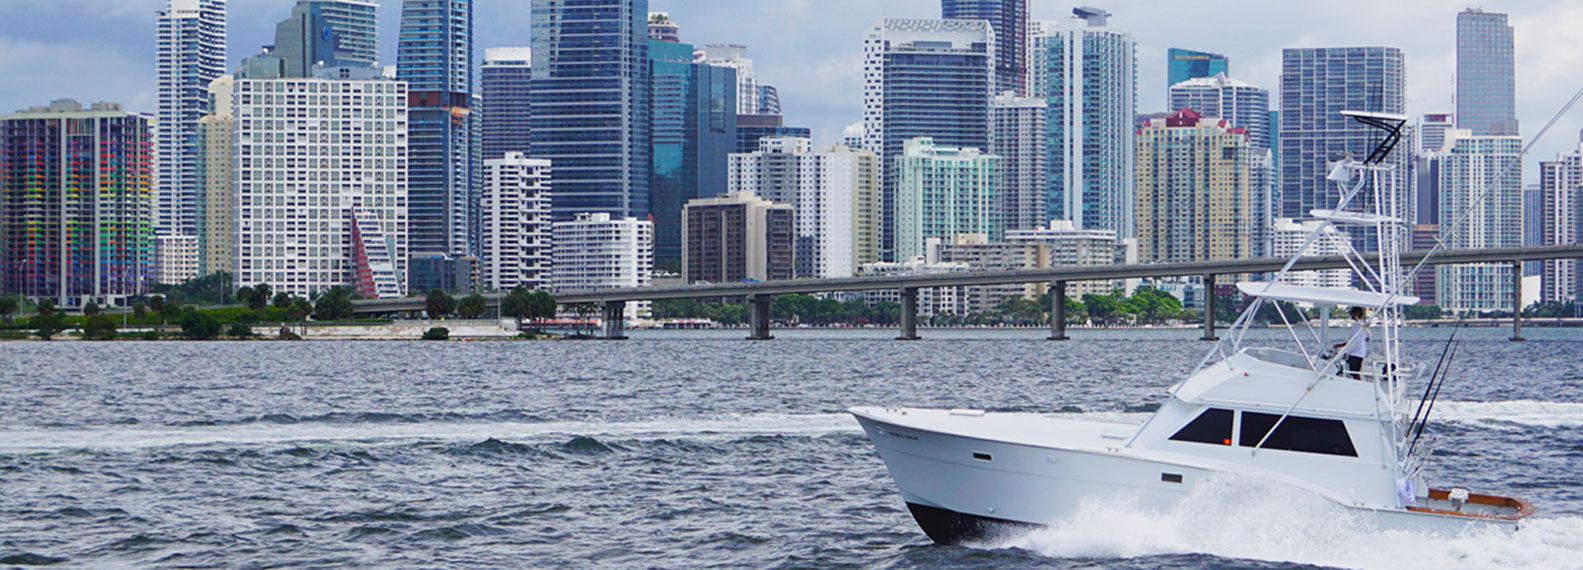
{"type": "Point", "coordinates": [1212, 426]}
{"type": "Point", "coordinates": [1297, 433]}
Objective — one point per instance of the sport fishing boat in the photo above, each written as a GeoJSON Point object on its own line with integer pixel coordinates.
{"type": "Point", "coordinates": [1294, 415]}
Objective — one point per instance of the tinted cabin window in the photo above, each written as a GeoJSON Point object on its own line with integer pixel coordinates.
{"type": "Point", "coordinates": [1311, 435]}
{"type": "Point", "coordinates": [1212, 426]}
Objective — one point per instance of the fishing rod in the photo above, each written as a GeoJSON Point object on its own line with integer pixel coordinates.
{"type": "Point", "coordinates": [1432, 378]}
{"type": "Point", "coordinates": [1433, 399]}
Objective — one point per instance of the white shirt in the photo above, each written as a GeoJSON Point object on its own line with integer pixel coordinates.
{"type": "Point", "coordinates": [1358, 342]}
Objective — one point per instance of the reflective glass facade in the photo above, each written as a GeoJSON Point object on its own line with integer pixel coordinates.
{"type": "Point", "coordinates": [590, 104]}
{"type": "Point", "coordinates": [1486, 74]}
{"type": "Point", "coordinates": [1009, 19]}
{"type": "Point", "coordinates": [435, 58]}
{"type": "Point", "coordinates": [1316, 85]}
{"type": "Point", "coordinates": [694, 128]}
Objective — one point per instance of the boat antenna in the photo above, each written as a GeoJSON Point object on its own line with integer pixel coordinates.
{"type": "Point", "coordinates": [1456, 228]}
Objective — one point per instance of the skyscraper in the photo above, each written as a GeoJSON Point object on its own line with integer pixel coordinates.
{"type": "Point", "coordinates": [435, 58]}
{"type": "Point", "coordinates": [189, 53]}
{"type": "Point", "coordinates": [1316, 85]}
{"type": "Point", "coordinates": [1486, 74]}
{"type": "Point", "coordinates": [1477, 185]}
{"type": "Point", "coordinates": [590, 104]}
{"type": "Point", "coordinates": [507, 78]}
{"type": "Point", "coordinates": [1239, 102]}
{"type": "Point", "coordinates": [1561, 182]}
{"type": "Point", "coordinates": [943, 191]}
{"type": "Point", "coordinates": [1018, 127]}
{"type": "Point", "coordinates": [516, 223]}
{"type": "Point", "coordinates": [217, 218]}
{"type": "Point", "coordinates": [1196, 199]}
{"type": "Point", "coordinates": [313, 214]}
{"type": "Point", "coordinates": [331, 33]}
{"type": "Point", "coordinates": [1087, 73]}
{"type": "Point", "coordinates": [924, 78]}
{"type": "Point", "coordinates": [694, 128]}
{"type": "Point", "coordinates": [1009, 19]}
{"type": "Point", "coordinates": [1184, 64]}
{"type": "Point", "coordinates": [76, 204]}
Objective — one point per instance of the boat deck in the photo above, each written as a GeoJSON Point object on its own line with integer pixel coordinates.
{"type": "Point", "coordinates": [1016, 428]}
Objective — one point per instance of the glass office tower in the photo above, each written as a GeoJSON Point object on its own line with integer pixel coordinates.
{"type": "Point", "coordinates": [590, 104]}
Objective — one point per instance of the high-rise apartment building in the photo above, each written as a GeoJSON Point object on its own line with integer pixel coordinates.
{"type": "Point", "coordinates": [1424, 238]}
{"type": "Point", "coordinates": [1481, 182]}
{"type": "Point", "coordinates": [1561, 182]}
{"type": "Point", "coordinates": [435, 58]}
{"type": "Point", "coordinates": [594, 251]}
{"type": "Point", "coordinates": [835, 192]}
{"type": "Point", "coordinates": [976, 251]}
{"type": "Point", "coordinates": [1486, 74]}
{"type": "Point", "coordinates": [942, 191]}
{"type": "Point", "coordinates": [737, 237]}
{"type": "Point", "coordinates": [76, 204]}
{"type": "Point", "coordinates": [1017, 130]}
{"type": "Point", "coordinates": [590, 110]}
{"type": "Point", "coordinates": [1087, 73]}
{"type": "Point", "coordinates": [328, 33]}
{"type": "Point", "coordinates": [923, 78]}
{"type": "Point", "coordinates": [1184, 64]}
{"type": "Point", "coordinates": [1009, 19]}
{"type": "Point", "coordinates": [322, 203]}
{"type": "Point", "coordinates": [507, 82]}
{"type": "Point", "coordinates": [1196, 199]}
{"type": "Point", "coordinates": [1316, 85]}
{"type": "Point", "coordinates": [663, 29]}
{"type": "Point", "coordinates": [1241, 103]}
{"type": "Point", "coordinates": [175, 258]}
{"type": "Point", "coordinates": [189, 53]}
{"type": "Point", "coordinates": [769, 100]}
{"type": "Point", "coordinates": [217, 217]}
{"type": "Point", "coordinates": [693, 129]}
{"type": "Point", "coordinates": [516, 222]}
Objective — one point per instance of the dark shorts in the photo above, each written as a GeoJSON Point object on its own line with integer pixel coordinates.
{"type": "Point", "coordinates": [1355, 365]}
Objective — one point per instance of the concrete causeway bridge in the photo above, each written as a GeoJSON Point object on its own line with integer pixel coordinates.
{"type": "Point", "coordinates": [761, 294]}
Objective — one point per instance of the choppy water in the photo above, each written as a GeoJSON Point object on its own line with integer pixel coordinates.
{"type": "Point", "coordinates": [678, 450]}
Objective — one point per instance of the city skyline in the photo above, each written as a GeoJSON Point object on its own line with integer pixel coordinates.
{"type": "Point", "coordinates": [101, 49]}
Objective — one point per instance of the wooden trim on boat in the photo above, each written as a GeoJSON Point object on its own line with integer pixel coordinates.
{"type": "Point", "coordinates": [1524, 508]}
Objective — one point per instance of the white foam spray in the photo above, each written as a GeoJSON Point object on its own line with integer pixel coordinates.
{"type": "Point", "coordinates": [714, 428]}
{"type": "Point", "coordinates": [1245, 518]}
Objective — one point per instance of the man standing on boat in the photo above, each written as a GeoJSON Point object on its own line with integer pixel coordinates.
{"type": "Point", "coordinates": [1357, 346]}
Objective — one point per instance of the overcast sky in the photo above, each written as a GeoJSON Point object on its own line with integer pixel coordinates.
{"type": "Point", "coordinates": [811, 50]}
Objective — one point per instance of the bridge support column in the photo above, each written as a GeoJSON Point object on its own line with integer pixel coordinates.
{"type": "Point", "coordinates": [615, 320]}
{"type": "Point", "coordinates": [760, 317]}
{"type": "Point", "coordinates": [909, 314]}
{"type": "Point", "coordinates": [1517, 302]}
{"type": "Point", "coordinates": [1209, 307]}
{"type": "Point", "coordinates": [1058, 311]}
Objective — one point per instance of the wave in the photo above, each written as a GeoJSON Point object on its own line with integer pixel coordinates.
{"type": "Point", "coordinates": [1256, 520]}
{"type": "Point", "coordinates": [1513, 413]}
{"type": "Point", "coordinates": [377, 427]}
{"type": "Point", "coordinates": [493, 434]}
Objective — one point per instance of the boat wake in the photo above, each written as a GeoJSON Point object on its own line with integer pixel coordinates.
{"type": "Point", "coordinates": [1245, 518]}
{"type": "Point", "coordinates": [125, 438]}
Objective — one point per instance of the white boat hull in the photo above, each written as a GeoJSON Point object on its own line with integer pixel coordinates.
{"type": "Point", "coordinates": [964, 489]}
